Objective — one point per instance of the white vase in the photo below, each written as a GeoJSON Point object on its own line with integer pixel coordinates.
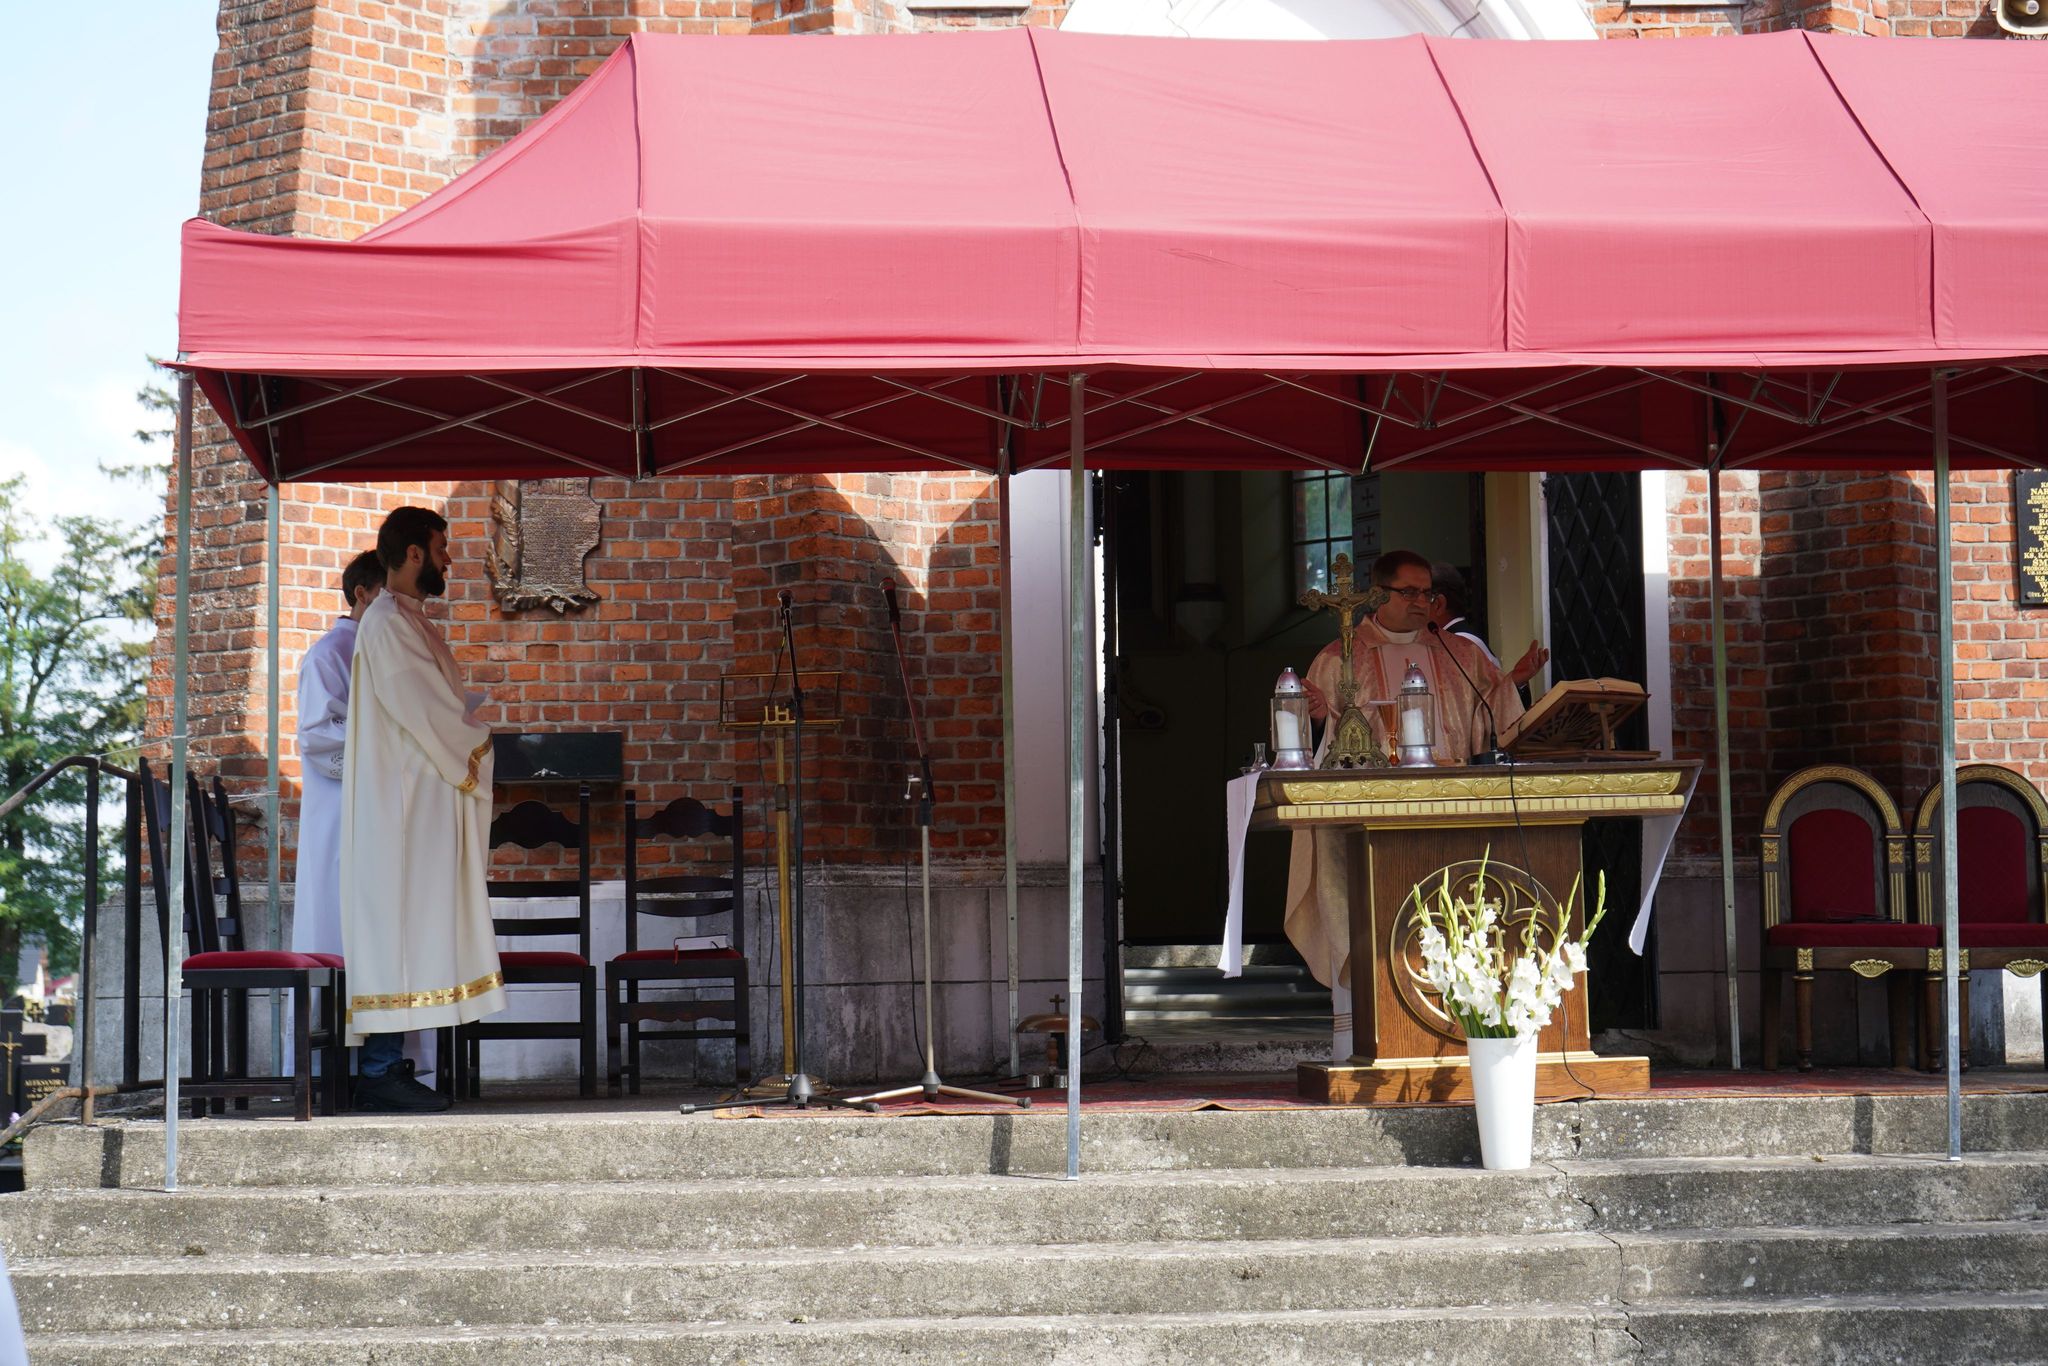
{"type": "Point", "coordinates": [1504, 1095]}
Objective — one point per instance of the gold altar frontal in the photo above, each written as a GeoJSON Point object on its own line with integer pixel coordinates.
{"type": "Point", "coordinates": [1407, 825]}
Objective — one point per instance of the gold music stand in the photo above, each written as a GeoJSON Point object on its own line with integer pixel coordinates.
{"type": "Point", "coordinates": [761, 703]}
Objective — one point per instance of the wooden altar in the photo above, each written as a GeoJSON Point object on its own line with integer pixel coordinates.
{"type": "Point", "coordinates": [1406, 825]}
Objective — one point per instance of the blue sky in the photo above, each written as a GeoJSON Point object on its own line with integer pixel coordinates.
{"type": "Point", "coordinates": [105, 123]}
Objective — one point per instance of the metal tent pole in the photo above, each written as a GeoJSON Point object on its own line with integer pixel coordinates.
{"type": "Point", "coordinates": [1724, 777]}
{"type": "Point", "coordinates": [1945, 692]}
{"type": "Point", "coordinates": [174, 939]}
{"type": "Point", "coordinates": [1009, 667]}
{"type": "Point", "coordinates": [273, 516]}
{"type": "Point", "coordinates": [1079, 603]}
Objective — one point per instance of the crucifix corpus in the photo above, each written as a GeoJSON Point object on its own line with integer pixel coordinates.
{"type": "Point", "coordinates": [1352, 744]}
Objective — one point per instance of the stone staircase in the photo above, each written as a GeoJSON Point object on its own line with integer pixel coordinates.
{"type": "Point", "coordinates": [1702, 1230]}
{"type": "Point", "coordinates": [1181, 984]}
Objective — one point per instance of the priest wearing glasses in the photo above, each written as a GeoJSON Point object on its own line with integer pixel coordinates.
{"type": "Point", "coordinates": [1385, 645]}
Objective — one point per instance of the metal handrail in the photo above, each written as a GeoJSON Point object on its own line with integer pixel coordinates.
{"type": "Point", "coordinates": [95, 765]}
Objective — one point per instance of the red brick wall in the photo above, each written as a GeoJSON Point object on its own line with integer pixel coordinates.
{"type": "Point", "coordinates": [1873, 18]}
{"type": "Point", "coordinates": [2001, 649]}
{"type": "Point", "coordinates": [1690, 549]}
{"type": "Point", "coordinates": [1849, 604]}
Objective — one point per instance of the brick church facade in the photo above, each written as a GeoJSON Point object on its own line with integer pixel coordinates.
{"type": "Point", "coordinates": [329, 116]}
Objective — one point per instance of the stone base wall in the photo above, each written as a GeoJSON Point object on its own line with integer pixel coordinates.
{"type": "Point", "coordinates": [864, 1010]}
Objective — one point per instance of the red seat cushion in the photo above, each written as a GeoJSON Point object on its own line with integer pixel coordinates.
{"type": "Point", "coordinates": [673, 955]}
{"type": "Point", "coordinates": [541, 958]}
{"type": "Point", "coordinates": [1840, 934]}
{"type": "Point", "coordinates": [1994, 849]}
{"type": "Point", "coordinates": [2003, 936]}
{"type": "Point", "coordinates": [1833, 857]}
{"type": "Point", "coordinates": [253, 958]}
{"type": "Point", "coordinates": [332, 960]}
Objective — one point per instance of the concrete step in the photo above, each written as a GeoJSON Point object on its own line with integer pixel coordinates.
{"type": "Point", "coordinates": [1235, 1011]}
{"type": "Point", "coordinates": [1208, 973]}
{"type": "Point", "coordinates": [1161, 957]}
{"type": "Point", "coordinates": [1589, 1270]}
{"type": "Point", "coordinates": [472, 1145]}
{"type": "Point", "coordinates": [1608, 1196]}
{"type": "Point", "coordinates": [1835, 1328]}
{"type": "Point", "coordinates": [1196, 993]}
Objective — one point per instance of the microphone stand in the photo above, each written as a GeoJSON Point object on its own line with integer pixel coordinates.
{"type": "Point", "coordinates": [1493, 753]}
{"type": "Point", "coordinates": [804, 1089]}
{"type": "Point", "coordinates": [931, 1086]}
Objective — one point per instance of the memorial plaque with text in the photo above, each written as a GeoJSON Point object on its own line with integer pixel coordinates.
{"type": "Point", "coordinates": [2030, 536]}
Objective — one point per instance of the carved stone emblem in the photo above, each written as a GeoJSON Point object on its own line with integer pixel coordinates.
{"type": "Point", "coordinates": [542, 531]}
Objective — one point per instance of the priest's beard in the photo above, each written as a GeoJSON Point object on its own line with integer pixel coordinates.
{"type": "Point", "coordinates": [433, 583]}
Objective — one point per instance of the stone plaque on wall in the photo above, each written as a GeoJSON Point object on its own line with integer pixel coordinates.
{"type": "Point", "coordinates": [541, 532]}
{"type": "Point", "coordinates": [2030, 536]}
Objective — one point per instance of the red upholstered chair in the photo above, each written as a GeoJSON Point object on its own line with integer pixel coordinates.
{"type": "Point", "coordinates": [698, 906]}
{"type": "Point", "coordinates": [532, 825]}
{"type": "Point", "coordinates": [1834, 893]}
{"type": "Point", "coordinates": [220, 973]}
{"type": "Point", "coordinates": [2002, 848]}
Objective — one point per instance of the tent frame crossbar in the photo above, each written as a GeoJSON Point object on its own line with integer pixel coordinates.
{"type": "Point", "coordinates": [1808, 402]}
{"type": "Point", "coordinates": [447, 422]}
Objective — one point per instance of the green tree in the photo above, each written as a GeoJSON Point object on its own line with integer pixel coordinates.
{"type": "Point", "coordinates": [77, 597]}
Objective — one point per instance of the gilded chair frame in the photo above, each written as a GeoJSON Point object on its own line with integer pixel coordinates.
{"type": "Point", "coordinates": [2024, 962]}
{"type": "Point", "coordinates": [1866, 961]}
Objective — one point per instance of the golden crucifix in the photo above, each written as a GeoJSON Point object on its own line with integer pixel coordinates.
{"type": "Point", "coordinates": [1352, 743]}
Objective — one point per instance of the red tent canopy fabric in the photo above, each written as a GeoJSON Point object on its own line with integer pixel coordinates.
{"type": "Point", "coordinates": [1264, 254]}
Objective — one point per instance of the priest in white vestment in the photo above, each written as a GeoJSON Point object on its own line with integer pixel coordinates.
{"type": "Point", "coordinates": [1384, 645]}
{"type": "Point", "coordinates": [415, 833]}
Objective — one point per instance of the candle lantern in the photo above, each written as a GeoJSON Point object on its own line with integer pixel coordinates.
{"type": "Point", "coordinates": [1415, 721]}
{"type": "Point", "coordinates": [1291, 747]}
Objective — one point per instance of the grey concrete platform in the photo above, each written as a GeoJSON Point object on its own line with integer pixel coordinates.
{"type": "Point", "coordinates": [1771, 1226]}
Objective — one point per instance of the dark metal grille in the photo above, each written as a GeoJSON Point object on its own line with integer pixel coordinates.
{"type": "Point", "coordinates": [1596, 627]}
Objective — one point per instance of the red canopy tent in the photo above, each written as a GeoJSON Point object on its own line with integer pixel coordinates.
{"type": "Point", "coordinates": [1504, 236]}
{"type": "Point", "coordinates": [1786, 251]}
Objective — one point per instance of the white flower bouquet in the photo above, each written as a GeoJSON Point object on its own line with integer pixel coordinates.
{"type": "Point", "coordinates": [1500, 975]}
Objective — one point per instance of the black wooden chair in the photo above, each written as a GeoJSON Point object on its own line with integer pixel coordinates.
{"type": "Point", "coordinates": [534, 825]}
{"type": "Point", "coordinates": [221, 973]}
{"type": "Point", "coordinates": [714, 908]}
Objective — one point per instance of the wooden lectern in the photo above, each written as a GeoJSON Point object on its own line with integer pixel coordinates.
{"type": "Point", "coordinates": [1406, 826]}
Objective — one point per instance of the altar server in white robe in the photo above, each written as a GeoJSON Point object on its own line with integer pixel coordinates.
{"type": "Point", "coordinates": [323, 735]}
{"type": "Point", "coordinates": [323, 732]}
{"type": "Point", "coordinates": [416, 812]}
{"type": "Point", "coordinates": [1384, 645]}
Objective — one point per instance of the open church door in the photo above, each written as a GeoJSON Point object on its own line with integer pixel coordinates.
{"type": "Point", "coordinates": [1597, 630]}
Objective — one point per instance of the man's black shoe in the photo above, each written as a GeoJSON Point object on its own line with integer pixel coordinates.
{"type": "Point", "coordinates": [394, 1093]}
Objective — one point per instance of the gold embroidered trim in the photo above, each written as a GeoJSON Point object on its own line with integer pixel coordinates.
{"type": "Point", "coordinates": [476, 756]}
{"type": "Point", "coordinates": [415, 1000]}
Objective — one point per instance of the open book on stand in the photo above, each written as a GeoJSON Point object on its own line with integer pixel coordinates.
{"type": "Point", "coordinates": [1575, 721]}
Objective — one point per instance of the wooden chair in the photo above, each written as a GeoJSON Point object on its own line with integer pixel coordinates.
{"type": "Point", "coordinates": [1834, 898]}
{"type": "Point", "coordinates": [534, 825]}
{"type": "Point", "coordinates": [221, 973]}
{"type": "Point", "coordinates": [2001, 909]}
{"type": "Point", "coordinates": [712, 907]}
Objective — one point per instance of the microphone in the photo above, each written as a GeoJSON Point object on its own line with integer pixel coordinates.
{"type": "Point", "coordinates": [783, 597]}
{"type": "Point", "coordinates": [889, 592]}
{"type": "Point", "coordinates": [1492, 754]}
